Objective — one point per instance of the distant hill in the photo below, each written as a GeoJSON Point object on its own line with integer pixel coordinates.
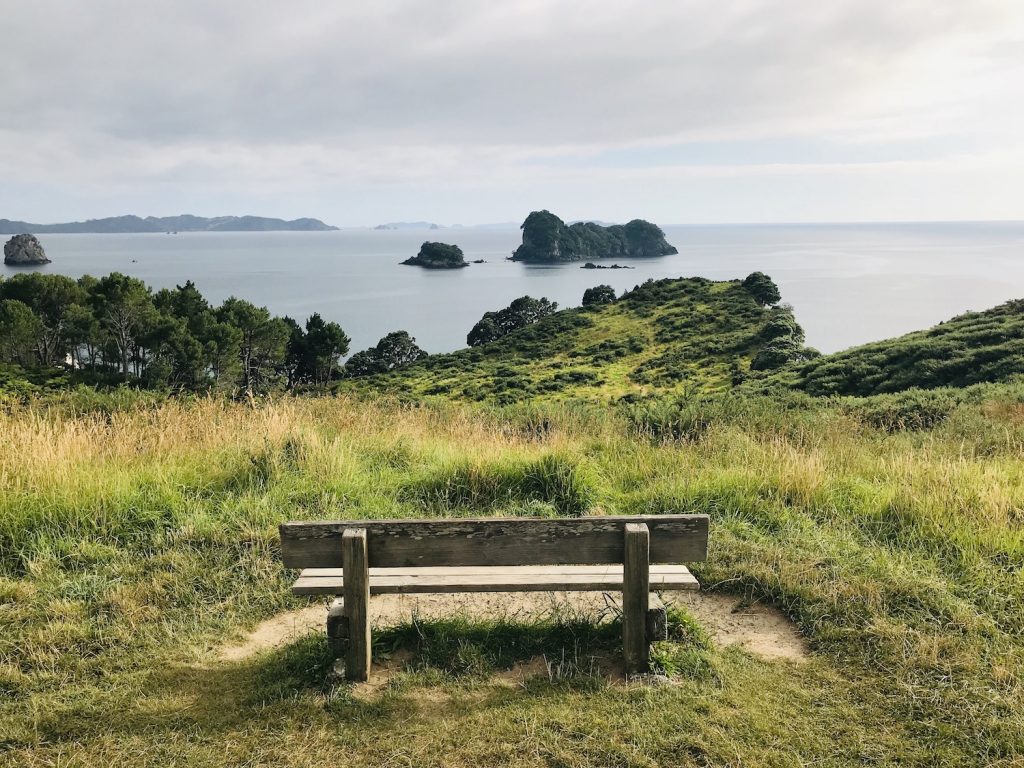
{"type": "Point", "coordinates": [183, 223]}
{"type": "Point", "coordinates": [410, 225]}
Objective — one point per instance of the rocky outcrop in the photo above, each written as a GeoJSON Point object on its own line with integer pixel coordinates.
{"type": "Point", "coordinates": [547, 239]}
{"type": "Point", "coordinates": [438, 256]}
{"type": "Point", "coordinates": [24, 251]}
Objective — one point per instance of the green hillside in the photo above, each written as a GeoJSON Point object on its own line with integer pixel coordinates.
{"type": "Point", "coordinates": [972, 348]}
{"type": "Point", "coordinates": [687, 334]}
{"type": "Point", "coordinates": [697, 336]}
{"type": "Point", "coordinates": [146, 618]}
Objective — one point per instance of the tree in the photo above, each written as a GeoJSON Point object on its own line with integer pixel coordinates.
{"type": "Point", "coordinates": [484, 332]}
{"type": "Point", "coordinates": [395, 350]}
{"type": "Point", "coordinates": [222, 345]}
{"type": "Point", "coordinates": [83, 334]}
{"type": "Point", "coordinates": [362, 363]}
{"type": "Point", "coordinates": [261, 342]}
{"type": "Point", "coordinates": [782, 324]}
{"type": "Point", "coordinates": [598, 295]}
{"type": "Point", "coordinates": [124, 307]}
{"type": "Point", "coordinates": [314, 356]}
{"type": "Point", "coordinates": [50, 297]}
{"type": "Point", "coordinates": [762, 288]}
{"type": "Point", "coordinates": [19, 330]}
{"type": "Point", "coordinates": [775, 354]}
{"type": "Point", "coordinates": [522, 312]}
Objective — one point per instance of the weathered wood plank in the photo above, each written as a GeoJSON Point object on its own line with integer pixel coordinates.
{"type": "Point", "coordinates": [324, 581]}
{"type": "Point", "coordinates": [635, 590]}
{"type": "Point", "coordinates": [357, 603]}
{"type": "Point", "coordinates": [657, 619]}
{"type": "Point", "coordinates": [460, 571]}
{"type": "Point", "coordinates": [495, 541]}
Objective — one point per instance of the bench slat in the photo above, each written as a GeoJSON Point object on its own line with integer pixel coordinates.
{"type": "Point", "coordinates": [329, 581]}
{"type": "Point", "coordinates": [507, 541]}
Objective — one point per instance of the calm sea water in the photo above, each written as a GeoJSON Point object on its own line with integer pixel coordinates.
{"type": "Point", "coordinates": [849, 284]}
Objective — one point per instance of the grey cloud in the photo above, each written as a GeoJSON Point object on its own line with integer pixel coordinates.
{"type": "Point", "coordinates": [575, 72]}
{"type": "Point", "coordinates": [237, 100]}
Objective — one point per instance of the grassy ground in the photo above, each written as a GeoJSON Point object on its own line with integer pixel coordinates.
{"type": "Point", "coordinates": [138, 536]}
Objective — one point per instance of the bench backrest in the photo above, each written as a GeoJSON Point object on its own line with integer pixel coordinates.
{"type": "Point", "coordinates": [495, 541]}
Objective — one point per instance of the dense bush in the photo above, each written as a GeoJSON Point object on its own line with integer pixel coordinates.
{"type": "Point", "coordinates": [395, 350]}
{"type": "Point", "coordinates": [522, 312]}
{"type": "Point", "coordinates": [972, 348]}
{"type": "Point", "coordinates": [762, 288]}
{"type": "Point", "coordinates": [914, 409]}
{"type": "Point", "coordinates": [598, 295]}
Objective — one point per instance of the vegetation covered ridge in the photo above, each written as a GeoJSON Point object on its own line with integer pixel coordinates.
{"type": "Point", "coordinates": [686, 334]}
{"type": "Point", "coordinates": [971, 348]}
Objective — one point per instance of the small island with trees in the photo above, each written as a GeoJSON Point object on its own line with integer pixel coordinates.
{"type": "Point", "coordinates": [549, 240]}
{"type": "Point", "coordinates": [438, 256]}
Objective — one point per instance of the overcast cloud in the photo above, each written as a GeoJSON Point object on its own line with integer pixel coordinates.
{"type": "Point", "coordinates": [678, 111]}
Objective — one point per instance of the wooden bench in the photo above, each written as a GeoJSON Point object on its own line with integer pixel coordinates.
{"type": "Point", "coordinates": [359, 558]}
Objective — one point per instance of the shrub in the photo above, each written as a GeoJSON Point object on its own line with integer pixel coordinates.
{"type": "Point", "coordinates": [598, 295]}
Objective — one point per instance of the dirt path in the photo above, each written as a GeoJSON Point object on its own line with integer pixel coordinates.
{"type": "Point", "coordinates": [762, 630]}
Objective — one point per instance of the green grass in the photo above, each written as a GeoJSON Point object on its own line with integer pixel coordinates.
{"type": "Point", "coordinates": [137, 537]}
{"type": "Point", "coordinates": [670, 335]}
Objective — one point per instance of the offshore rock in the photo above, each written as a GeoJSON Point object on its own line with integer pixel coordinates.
{"type": "Point", "coordinates": [24, 251]}
{"type": "Point", "coordinates": [547, 239]}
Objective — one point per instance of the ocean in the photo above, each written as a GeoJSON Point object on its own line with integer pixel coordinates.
{"type": "Point", "coordinates": [848, 283]}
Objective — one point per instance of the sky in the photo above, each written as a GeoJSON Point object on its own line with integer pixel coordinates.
{"type": "Point", "coordinates": [460, 111]}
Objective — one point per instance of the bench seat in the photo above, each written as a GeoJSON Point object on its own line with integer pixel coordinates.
{"type": "Point", "coordinates": [637, 556]}
{"type": "Point", "coordinates": [520, 578]}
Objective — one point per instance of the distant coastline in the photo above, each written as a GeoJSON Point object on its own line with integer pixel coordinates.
{"type": "Point", "coordinates": [183, 223]}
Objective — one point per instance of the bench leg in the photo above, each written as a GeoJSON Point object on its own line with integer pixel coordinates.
{"type": "Point", "coordinates": [635, 588]}
{"type": "Point", "coordinates": [337, 627]}
{"type": "Point", "coordinates": [355, 565]}
{"type": "Point", "coordinates": [657, 619]}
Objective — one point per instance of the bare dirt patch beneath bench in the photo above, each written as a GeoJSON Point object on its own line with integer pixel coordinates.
{"type": "Point", "coordinates": [762, 630]}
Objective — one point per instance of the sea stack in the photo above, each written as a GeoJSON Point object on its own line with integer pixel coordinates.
{"type": "Point", "coordinates": [438, 256]}
{"type": "Point", "coordinates": [549, 240]}
{"type": "Point", "coordinates": [24, 251]}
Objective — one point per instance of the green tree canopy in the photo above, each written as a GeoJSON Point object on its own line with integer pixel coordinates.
{"type": "Point", "coordinates": [598, 295]}
{"type": "Point", "coordinates": [19, 331]}
{"type": "Point", "coordinates": [395, 350]}
{"type": "Point", "coordinates": [522, 312]}
{"type": "Point", "coordinates": [314, 355]}
{"type": "Point", "coordinates": [762, 288]}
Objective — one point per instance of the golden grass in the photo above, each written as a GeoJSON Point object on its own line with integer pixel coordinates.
{"type": "Point", "coordinates": [134, 540]}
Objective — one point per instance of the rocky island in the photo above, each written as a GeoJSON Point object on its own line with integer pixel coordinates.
{"type": "Point", "coordinates": [547, 239]}
{"type": "Point", "coordinates": [24, 251]}
{"type": "Point", "coordinates": [438, 256]}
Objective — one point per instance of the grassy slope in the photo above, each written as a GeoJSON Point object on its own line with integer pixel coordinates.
{"type": "Point", "coordinates": [970, 348]}
{"type": "Point", "coordinates": [695, 336]}
{"type": "Point", "coordinates": [136, 539]}
{"type": "Point", "coordinates": [672, 335]}
{"type": "Point", "coordinates": [136, 536]}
